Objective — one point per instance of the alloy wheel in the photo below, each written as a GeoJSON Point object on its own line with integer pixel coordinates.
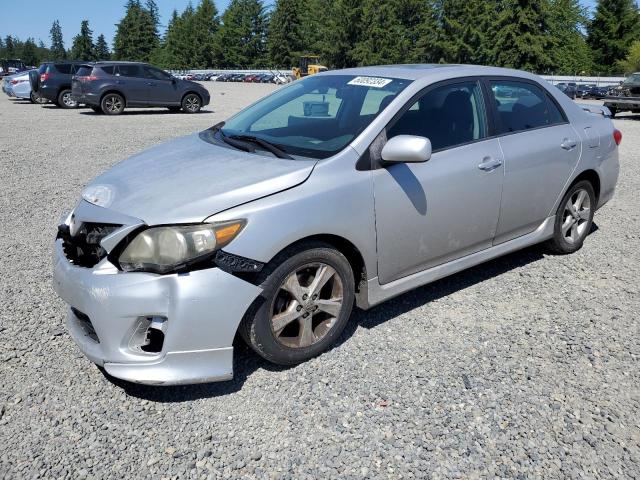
{"type": "Point", "coordinates": [576, 216]}
{"type": "Point", "coordinates": [307, 305]}
{"type": "Point", "coordinates": [192, 103]}
{"type": "Point", "coordinates": [113, 104]}
{"type": "Point", "coordinates": [68, 100]}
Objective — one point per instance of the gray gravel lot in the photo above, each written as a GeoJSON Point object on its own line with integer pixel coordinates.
{"type": "Point", "coordinates": [525, 367]}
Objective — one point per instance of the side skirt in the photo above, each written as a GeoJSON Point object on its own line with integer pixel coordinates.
{"type": "Point", "coordinates": [378, 293]}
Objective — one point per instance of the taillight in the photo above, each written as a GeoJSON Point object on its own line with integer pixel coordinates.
{"type": "Point", "coordinates": [44, 77]}
{"type": "Point", "coordinates": [617, 136]}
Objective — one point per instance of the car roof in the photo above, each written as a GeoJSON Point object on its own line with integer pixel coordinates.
{"type": "Point", "coordinates": [418, 71]}
{"type": "Point", "coordinates": [119, 62]}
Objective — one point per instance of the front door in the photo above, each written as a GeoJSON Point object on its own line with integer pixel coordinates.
{"type": "Point", "coordinates": [162, 89]}
{"type": "Point", "coordinates": [433, 212]}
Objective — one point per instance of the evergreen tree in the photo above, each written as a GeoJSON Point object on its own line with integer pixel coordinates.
{"type": "Point", "coordinates": [57, 43]}
{"type": "Point", "coordinates": [200, 33]}
{"type": "Point", "coordinates": [9, 46]}
{"type": "Point", "coordinates": [137, 33]}
{"type": "Point", "coordinates": [83, 48]}
{"type": "Point", "coordinates": [101, 51]}
{"type": "Point", "coordinates": [342, 32]}
{"type": "Point", "coordinates": [286, 41]}
{"type": "Point", "coordinates": [521, 37]}
{"type": "Point", "coordinates": [615, 26]}
{"type": "Point", "coordinates": [241, 40]}
{"type": "Point", "coordinates": [29, 52]}
{"type": "Point", "coordinates": [569, 52]}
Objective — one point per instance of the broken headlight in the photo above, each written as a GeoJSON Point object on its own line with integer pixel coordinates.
{"type": "Point", "coordinates": [167, 249]}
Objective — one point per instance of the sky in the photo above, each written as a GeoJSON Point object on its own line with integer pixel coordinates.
{"type": "Point", "coordinates": [34, 18]}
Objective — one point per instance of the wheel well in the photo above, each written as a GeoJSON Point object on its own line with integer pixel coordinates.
{"type": "Point", "coordinates": [113, 91]}
{"type": "Point", "coordinates": [592, 177]}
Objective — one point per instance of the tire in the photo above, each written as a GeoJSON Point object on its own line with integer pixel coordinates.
{"type": "Point", "coordinates": [574, 218]}
{"type": "Point", "coordinates": [65, 100]}
{"type": "Point", "coordinates": [311, 325]}
{"type": "Point", "coordinates": [37, 99]}
{"type": "Point", "coordinates": [112, 104]}
{"type": "Point", "coordinates": [96, 109]}
{"type": "Point", "coordinates": [191, 103]}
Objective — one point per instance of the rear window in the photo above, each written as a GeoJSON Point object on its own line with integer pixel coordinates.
{"type": "Point", "coordinates": [130, 70]}
{"type": "Point", "coordinates": [43, 68]}
{"type": "Point", "coordinates": [84, 71]}
{"type": "Point", "coordinates": [64, 68]}
{"type": "Point", "coordinates": [108, 69]}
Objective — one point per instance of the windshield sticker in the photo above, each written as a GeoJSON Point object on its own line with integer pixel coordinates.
{"type": "Point", "coordinates": [374, 82]}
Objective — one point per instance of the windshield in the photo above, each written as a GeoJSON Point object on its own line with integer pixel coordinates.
{"type": "Point", "coordinates": [318, 116]}
{"type": "Point", "coordinates": [635, 78]}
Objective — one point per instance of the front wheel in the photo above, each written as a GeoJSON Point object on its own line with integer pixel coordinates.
{"type": "Point", "coordinates": [65, 100]}
{"type": "Point", "coordinates": [191, 103]}
{"type": "Point", "coordinates": [307, 298]}
{"type": "Point", "coordinates": [574, 218]}
{"type": "Point", "coordinates": [112, 104]}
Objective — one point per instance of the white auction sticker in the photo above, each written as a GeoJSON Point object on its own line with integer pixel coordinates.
{"type": "Point", "coordinates": [375, 82]}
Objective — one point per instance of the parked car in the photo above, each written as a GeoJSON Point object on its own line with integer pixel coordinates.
{"type": "Point", "coordinates": [626, 96]}
{"type": "Point", "coordinates": [597, 92]}
{"type": "Point", "coordinates": [582, 89]}
{"type": "Point", "coordinates": [569, 89]}
{"type": "Point", "coordinates": [110, 87]}
{"type": "Point", "coordinates": [52, 82]}
{"type": "Point", "coordinates": [11, 67]}
{"type": "Point", "coordinates": [19, 86]}
{"type": "Point", "coordinates": [346, 187]}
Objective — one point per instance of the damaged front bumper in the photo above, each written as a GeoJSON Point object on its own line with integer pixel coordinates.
{"type": "Point", "coordinates": [154, 329]}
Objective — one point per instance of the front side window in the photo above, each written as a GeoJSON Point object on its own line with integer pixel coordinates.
{"type": "Point", "coordinates": [317, 116]}
{"type": "Point", "coordinates": [156, 74]}
{"type": "Point", "coordinates": [448, 116]}
{"type": "Point", "coordinates": [523, 106]}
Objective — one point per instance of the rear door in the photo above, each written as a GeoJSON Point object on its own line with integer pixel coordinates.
{"type": "Point", "coordinates": [541, 149]}
{"type": "Point", "coordinates": [162, 89]}
{"type": "Point", "coordinates": [132, 83]}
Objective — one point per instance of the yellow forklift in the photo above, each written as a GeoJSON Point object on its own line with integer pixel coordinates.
{"type": "Point", "coordinates": [309, 65]}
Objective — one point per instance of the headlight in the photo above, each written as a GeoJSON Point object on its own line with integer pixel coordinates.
{"type": "Point", "coordinates": [164, 249]}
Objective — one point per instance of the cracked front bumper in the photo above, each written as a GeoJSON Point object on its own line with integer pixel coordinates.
{"type": "Point", "coordinates": [202, 310]}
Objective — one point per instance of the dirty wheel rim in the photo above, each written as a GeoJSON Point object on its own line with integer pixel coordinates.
{"type": "Point", "coordinates": [67, 100]}
{"type": "Point", "coordinates": [113, 104]}
{"type": "Point", "coordinates": [576, 215]}
{"type": "Point", "coordinates": [307, 305]}
{"type": "Point", "coordinates": [192, 103]}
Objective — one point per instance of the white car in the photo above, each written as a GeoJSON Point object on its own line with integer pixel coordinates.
{"type": "Point", "coordinates": [18, 86]}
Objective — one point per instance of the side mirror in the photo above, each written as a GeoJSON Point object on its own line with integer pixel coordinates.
{"type": "Point", "coordinates": [407, 149]}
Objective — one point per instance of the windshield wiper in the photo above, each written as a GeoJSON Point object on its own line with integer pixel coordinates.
{"type": "Point", "coordinates": [270, 147]}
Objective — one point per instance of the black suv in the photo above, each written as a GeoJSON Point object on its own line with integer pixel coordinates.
{"type": "Point", "coordinates": [109, 87]}
{"type": "Point", "coordinates": [53, 82]}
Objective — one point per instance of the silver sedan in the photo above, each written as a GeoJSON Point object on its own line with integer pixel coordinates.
{"type": "Point", "coordinates": [346, 188]}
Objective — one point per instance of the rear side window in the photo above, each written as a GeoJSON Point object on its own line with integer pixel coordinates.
{"type": "Point", "coordinates": [449, 115]}
{"type": "Point", "coordinates": [64, 68]}
{"type": "Point", "coordinates": [130, 70]}
{"type": "Point", "coordinates": [108, 69]}
{"type": "Point", "coordinates": [523, 106]}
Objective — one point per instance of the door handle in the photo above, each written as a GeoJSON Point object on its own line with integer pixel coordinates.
{"type": "Point", "coordinates": [568, 144]}
{"type": "Point", "coordinates": [151, 84]}
{"type": "Point", "coordinates": [488, 164]}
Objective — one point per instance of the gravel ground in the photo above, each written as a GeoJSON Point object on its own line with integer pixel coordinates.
{"type": "Point", "coordinates": [525, 367]}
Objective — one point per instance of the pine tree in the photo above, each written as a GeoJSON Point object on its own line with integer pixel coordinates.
{"type": "Point", "coordinates": [569, 51]}
{"type": "Point", "coordinates": [57, 43]}
{"type": "Point", "coordinates": [343, 32]}
{"type": "Point", "coordinates": [200, 33]}
{"type": "Point", "coordinates": [83, 48]}
{"type": "Point", "coordinates": [137, 33]}
{"type": "Point", "coordinates": [521, 37]}
{"type": "Point", "coordinates": [29, 52]}
{"type": "Point", "coordinates": [9, 46]}
{"type": "Point", "coordinates": [286, 41]}
{"type": "Point", "coordinates": [615, 26]}
{"type": "Point", "coordinates": [241, 39]}
{"type": "Point", "coordinates": [101, 51]}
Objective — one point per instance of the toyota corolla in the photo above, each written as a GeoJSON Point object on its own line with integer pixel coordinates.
{"type": "Point", "coordinates": [343, 189]}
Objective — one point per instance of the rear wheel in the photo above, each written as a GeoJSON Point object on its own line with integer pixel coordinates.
{"type": "Point", "coordinates": [308, 293]}
{"type": "Point", "coordinates": [112, 104]}
{"type": "Point", "coordinates": [574, 218]}
{"type": "Point", "coordinates": [65, 100]}
{"type": "Point", "coordinates": [191, 103]}
{"type": "Point", "coordinates": [35, 98]}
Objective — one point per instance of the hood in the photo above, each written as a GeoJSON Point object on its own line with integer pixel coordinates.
{"type": "Point", "coordinates": [187, 180]}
